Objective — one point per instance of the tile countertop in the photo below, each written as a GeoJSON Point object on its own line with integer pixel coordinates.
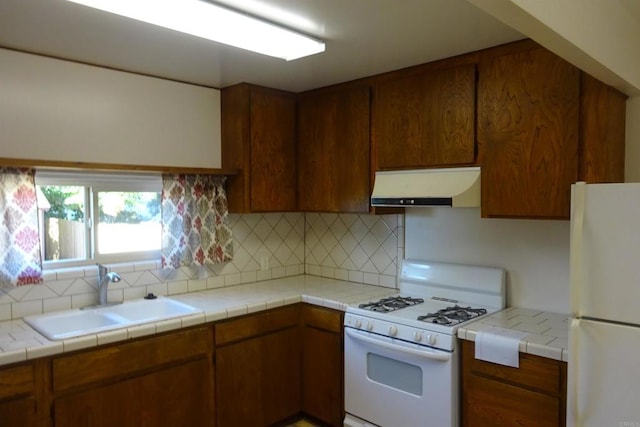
{"type": "Point", "coordinates": [19, 342]}
{"type": "Point", "coordinates": [548, 332]}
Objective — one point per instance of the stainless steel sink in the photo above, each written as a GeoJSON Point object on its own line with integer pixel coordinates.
{"type": "Point", "coordinates": [73, 323]}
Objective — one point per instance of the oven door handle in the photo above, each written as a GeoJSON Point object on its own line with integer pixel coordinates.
{"type": "Point", "coordinates": [427, 354]}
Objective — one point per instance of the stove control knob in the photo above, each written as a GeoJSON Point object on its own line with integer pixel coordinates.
{"type": "Point", "coordinates": [393, 331]}
{"type": "Point", "coordinates": [417, 336]}
{"type": "Point", "coordinates": [358, 323]}
{"type": "Point", "coordinates": [369, 325]}
{"type": "Point", "coordinates": [431, 339]}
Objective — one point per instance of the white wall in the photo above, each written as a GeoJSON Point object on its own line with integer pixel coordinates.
{"type": "Point", "coordinates": [59, 110]}
{"type": "Point", "coordinates": [535, 253]}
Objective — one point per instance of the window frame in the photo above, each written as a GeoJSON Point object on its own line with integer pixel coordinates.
{"type": "Point", "coordinates": [94, 183]}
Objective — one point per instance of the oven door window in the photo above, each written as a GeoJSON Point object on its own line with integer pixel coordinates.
{"type": "Point", "coordinates": [395, 374]}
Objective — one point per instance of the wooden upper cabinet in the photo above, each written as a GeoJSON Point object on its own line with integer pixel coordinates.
{"type": "Point", "coordinates": [528, 134]}
{"type": "Point", "coordinates": [602, 132]}
{"type": "Point", "coordinates": [259, 137]}
{"type": "Point", "coordinates": [333, 149]}
{"type": "Point", "coordinates": [425, 118]}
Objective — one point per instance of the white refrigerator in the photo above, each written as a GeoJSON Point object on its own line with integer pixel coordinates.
{"type": "Point", "coordinates": [603, 387]}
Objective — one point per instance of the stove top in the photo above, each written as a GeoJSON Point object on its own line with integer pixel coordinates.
{"type": "Point", "coordinates": [453, 315]}
{"type": "Point", "coordinates": [386, 305]}
{"type": "Point", "coordinates": [434, 314]}
{"type": "Point", "coordinates": [434, 299]}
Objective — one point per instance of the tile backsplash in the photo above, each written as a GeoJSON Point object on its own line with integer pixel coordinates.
{"type": "Point", "coordinates": [357, 248]}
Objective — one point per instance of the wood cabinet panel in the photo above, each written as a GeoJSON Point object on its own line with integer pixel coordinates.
{"type": "Point", "coordinates": [176, 396]}
{"type": "Point", "coordinates": [602, 132]}
{"type": "Point", "coordinates": [282, 381]}
{"type": "Point", "coordinates": [238, 391]}
{"type": "Point", "coordinates": [534, 394]}
{"type": "Point", "coordinates": [259, 137]}
{"type": "Point", "coordinates": [333, 149]}
{"type": "Point", "coordinates": [258, 377]}
{"type": "Point", "coordinates": [528, 106]}
{"type": "Point", "coordinates": [322, 375]}
{"type": "Point", "coordinates": [491, 404]}
{"type": "Point", "coordinates": [322, 318]}
{"type": "Point", "coordinates": [18, 413]}
{"type": "Point", "coordinates": [126, 359]}
{"type": "Point", "coordinates": [257, 324]}
{"type": "Point", "coordinates": [17, 381]}
{"type": "Point", "coordinates": [425, 119]}
{"type": "Point", "coordinates": [18, 396]}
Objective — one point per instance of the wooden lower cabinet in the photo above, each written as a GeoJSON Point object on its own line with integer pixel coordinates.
{"type": "Point", "coordinates": [322, 365]}
{"type": "Point", "coordinates": [18, 405]}
{"type": "Point", "coordinates": [265, 369]}
{"type": "Point", "coordinates": [164, 380]}
{"type": "Point", "coordinates": [174, 396]}
{"type": "Point", "coordinates": [495, 395]}
{"type": "Point", "coordinates": [258, 368]}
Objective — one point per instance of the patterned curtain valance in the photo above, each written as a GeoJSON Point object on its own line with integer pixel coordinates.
{"type": "Point", "coordinates": [194, 228]}
{"type": "Point", "coordinates": [21, 260]}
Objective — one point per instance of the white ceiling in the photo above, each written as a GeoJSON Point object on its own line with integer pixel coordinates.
{"type": "Point", "coordinates": [363, 37]}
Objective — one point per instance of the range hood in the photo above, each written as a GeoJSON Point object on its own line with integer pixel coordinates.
{"type": "Point", "coordinates": [453, 187]}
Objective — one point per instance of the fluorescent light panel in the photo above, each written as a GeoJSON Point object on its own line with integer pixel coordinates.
{"type": "Point", "coordinates": [217, 23]}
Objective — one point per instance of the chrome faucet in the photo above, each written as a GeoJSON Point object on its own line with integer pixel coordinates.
{"type": "Point", "coordinates": [103, 281]}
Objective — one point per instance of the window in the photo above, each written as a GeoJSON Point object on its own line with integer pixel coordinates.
{"type": "Point", "coordinates": [98, 217]}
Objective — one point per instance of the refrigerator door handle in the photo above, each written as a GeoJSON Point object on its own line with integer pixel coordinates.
{"type": "Point", "coordinates": [577, 230]}
{"type": "Point", "coordinates": [573, 407]}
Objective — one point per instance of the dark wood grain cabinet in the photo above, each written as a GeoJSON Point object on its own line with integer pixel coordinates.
{"type": "Point", "coordinates": [322, 364]}
{"type": "Point", "coordinates": [542, 126]}
{"type": "Point", "coordinates": [259, 138]}
{"type": "Point", "coordinates": [425, 118]}
{"type": "Point", "coordinates": [258, 379]}
{"type": "Point", "coordinates": [333, 149]}
{"type": "Point", "coordinates": [532, 395]}
{"type": "Point", "coordinates": [18, 403]}
{"type": "Point", "coordinates": [160, 381]}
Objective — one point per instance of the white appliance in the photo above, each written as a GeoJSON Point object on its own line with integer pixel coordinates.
{"type": "Point", "coordinates": [401, 357]}
{"type": "Point", "coordinates": [604, 340]}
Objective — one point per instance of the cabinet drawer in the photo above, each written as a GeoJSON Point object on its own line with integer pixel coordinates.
{"type": "Point", "coordinates": [16, 381]}
{"type": "Point", "coordinates": [126, 359]}
{"type": "Point", "coordinates": [492, 403]}
{"type": "Point", "coordinates": [256, 324]}
{"type": "Point", "coordinates": [535, 372]}
{"type": "Point", "coordinates": [322, 318]}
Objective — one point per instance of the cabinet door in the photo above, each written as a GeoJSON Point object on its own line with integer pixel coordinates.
{"type": "Point", "coordinates": [322, 366]}
{"type": "Point", "coordinates": [177, 396]}
{"type": "Point", "coordinates": [273, 154]}
{"type": "Point", "coordinates": [488, 403]}
{"type": "Point", "coordinates": [238, 379]}
{"type": "Point", "coordinates": [322, 380]}
{"type": "Point", "coordinates": [528, 134]}
{"type": "Point", "coordinates": [258, 380]}
{"type": "Point", "coordinates": [258, 137]}
{"type": "Point", "coordinates": [333, 150]}
{"type": "Point", "coordinates": [18, 413]}
{"type": "Point", "coordinates": [281, 380]}
{"type": "Point", "coordinates": [425, 119]}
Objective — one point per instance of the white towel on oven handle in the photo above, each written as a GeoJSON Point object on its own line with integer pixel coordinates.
{"type": "Point", "coordinates": [499, 345]}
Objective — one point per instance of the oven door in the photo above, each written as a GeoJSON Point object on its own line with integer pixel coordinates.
{"type": "Point", "coordinates": [392, 383]}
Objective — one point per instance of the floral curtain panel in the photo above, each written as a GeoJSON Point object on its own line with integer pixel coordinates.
{"type": "Point", "coordinates": [21, 261]}
{"type": "Point", "coordinates": [194, 228]}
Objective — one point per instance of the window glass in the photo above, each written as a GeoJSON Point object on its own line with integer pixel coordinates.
{"type": "Point", "coordinates": [64, 236]}
{"type": "Point", "coordinates": [128, 222]}
{"type": "Point", "coordinates": [89, 217]}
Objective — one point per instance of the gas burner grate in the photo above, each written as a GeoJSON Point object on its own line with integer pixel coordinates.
{"type": "Point", "coordinates": [389, 304]}
{"type": "Point", "coordinates": [452, 315]}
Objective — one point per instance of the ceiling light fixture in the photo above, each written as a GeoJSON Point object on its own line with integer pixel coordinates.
{"type": "Point", "coordinates": [217, 23]}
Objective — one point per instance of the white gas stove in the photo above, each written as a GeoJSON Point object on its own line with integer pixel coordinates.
{"type": "Point", "coordinates": [401, 350]}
